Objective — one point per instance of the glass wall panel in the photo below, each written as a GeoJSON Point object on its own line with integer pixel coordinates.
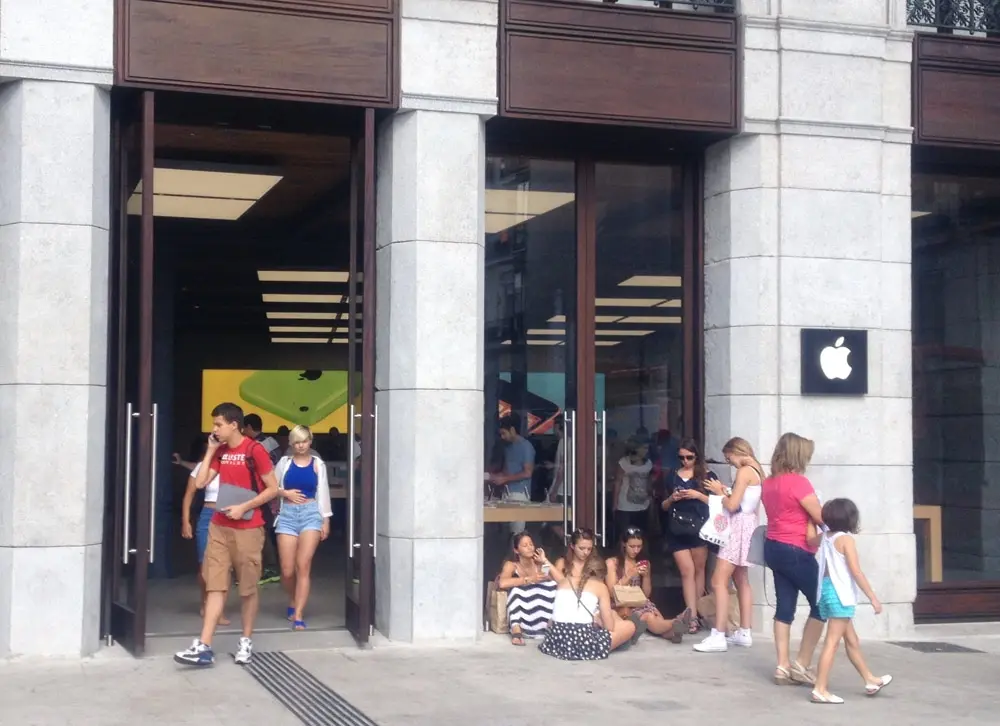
{"type": "Point", "coordinates": [956, 376]}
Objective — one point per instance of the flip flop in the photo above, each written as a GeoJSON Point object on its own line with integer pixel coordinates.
{"type": "Point", "coordinates": [517, 636]}
{"type": "Point", "coordinates": [831, 699]}
{"type": "Point", "coordinates": [872, 689]}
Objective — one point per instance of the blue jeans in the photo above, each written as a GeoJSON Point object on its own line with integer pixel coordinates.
{"type": "Point", "coordinates": [795, 570]}
{"type": "Point", "coordinates": [201, 532]}
{"type": "Point", "coordinates": [295, 519]}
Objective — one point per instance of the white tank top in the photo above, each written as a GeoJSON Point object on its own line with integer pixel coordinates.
{"type": "Point", "coordinates": [751, 495]}
{"type": "Point", "coordinates": [567, 609]}
{"type": "Point", "coordinates": [212, 490]}
{"type": "Point", "coordinates": [833, 565]}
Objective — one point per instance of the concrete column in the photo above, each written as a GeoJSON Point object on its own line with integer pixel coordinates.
{"type": "Point", "coordinates": [429, 360]}
{"type": "Point", "coordinates": [54, 158]}
{"type": "Point", "coordinates": [807, 219]}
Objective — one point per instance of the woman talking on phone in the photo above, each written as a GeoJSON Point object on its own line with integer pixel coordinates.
{"type": "Point", "coordinates": [530, 592]}
{"type": "Point", "coordinates": [303, 519]}
{"type": "Point", "coordinates": [686, 508]}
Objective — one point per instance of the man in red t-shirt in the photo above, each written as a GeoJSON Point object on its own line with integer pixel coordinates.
{"type": "Point", "coordinates": [234, 543]}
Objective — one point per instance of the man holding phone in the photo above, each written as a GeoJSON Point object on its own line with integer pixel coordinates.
{"type": "Point", "coordinates": [236, 533]}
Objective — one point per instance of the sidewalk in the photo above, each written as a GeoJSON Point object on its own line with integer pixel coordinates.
{"type": "Point", "coordinates": [495, 684]}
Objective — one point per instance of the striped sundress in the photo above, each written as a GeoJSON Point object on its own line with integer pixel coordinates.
{"type": "Point", "coordinates": [530, 607]}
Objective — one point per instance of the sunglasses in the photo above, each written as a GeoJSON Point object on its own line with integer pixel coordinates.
{"type": "Point", "coordinates": [633, 532]}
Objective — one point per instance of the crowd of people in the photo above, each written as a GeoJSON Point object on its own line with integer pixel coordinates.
{"type": "Point", "coordinates": [584, 606]}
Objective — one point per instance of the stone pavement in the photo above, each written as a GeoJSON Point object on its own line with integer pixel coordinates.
{"type": "Point", "coordinates": [495, 684]}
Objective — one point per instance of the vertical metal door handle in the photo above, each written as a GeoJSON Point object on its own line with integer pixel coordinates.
{"type": "Point", "coordinates": [598, 505]}
{"type": "Point", "coordinates": [374, 465]}
{"type": "Point", "coordinates": [350, 482]}
{"type": "Point", "coordinates": [604, 478]}
{"type": "Point", "coordinates": [572, 462]}
{"type": "Point", "coordinates": [128, 480]}
{"type": "Point", "coordinates": [565, 473]}
{"type": "Point", "coordinates": [152, 495]}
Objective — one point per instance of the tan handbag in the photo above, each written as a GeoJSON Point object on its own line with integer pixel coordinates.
{"type": "Point", "coordinates": [630, 596]}
{"type": "Point", "coordinates": [496, 609]}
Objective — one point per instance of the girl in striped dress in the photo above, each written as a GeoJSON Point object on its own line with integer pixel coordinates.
{"type": "Point", "coordinates": [530, 591]}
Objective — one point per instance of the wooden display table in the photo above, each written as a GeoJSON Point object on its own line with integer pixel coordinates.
{"type": "Point", "coordinates": [516, 512]}
{"type": "Point", "coordinates": [932, 542]}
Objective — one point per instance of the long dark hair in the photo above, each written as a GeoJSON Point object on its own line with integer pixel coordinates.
{"type": "Point", "coordinates": [691, 445]}
{"type": "Point", "coordinates": [515, 542]}
{"type": "Point", "coordinates": [620, 557]}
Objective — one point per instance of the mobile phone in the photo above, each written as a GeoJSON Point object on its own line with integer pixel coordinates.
{"type": "Point", "coordinates": [299, 397]}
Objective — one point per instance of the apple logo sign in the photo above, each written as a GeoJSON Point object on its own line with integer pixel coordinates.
{"type": "Point", "coordinates": [834, 362]}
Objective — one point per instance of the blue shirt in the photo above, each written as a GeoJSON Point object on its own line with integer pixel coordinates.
{"type": "Point", "coordinates": [302, 478]}
{"type": "Point", "coordinates": [516, 455]}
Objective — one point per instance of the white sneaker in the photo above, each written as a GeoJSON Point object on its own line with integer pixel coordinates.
{"type": "Point", "coordinates": [245, 652]}
{"type": "Point", "coordinates": [740, 638]}
{"type": "Point", "coordinates": [714, 643]}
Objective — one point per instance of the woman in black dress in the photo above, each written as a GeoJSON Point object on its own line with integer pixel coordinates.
{"type": "Point", "coordinates": [685, 508]}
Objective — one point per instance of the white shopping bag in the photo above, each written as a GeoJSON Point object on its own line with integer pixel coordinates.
{"type": "Point", "coordinates": [716, 528]}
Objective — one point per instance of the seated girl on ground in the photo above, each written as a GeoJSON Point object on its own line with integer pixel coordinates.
{"type": "Point", "coordinates": [530, 592]}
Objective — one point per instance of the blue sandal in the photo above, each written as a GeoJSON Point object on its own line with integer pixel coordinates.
{"type": "Point", "coordinates": [299, 625]}
{"type": "Point", "coordinates": [290, 614]}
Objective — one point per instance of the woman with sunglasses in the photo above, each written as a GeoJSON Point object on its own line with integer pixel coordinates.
{"type": "Point", "coordinates": [685, 510]}
{"type": "Point", "coordinates": [630, 568]}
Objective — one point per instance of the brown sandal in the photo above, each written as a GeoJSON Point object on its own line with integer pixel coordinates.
{"type": "Point", "coordinates": [517, 636]}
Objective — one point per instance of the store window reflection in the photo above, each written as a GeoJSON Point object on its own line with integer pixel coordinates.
{"type": "Point", "coordinates": [956, 376]}
{"type": "Point", "coordinates": [530, 299]}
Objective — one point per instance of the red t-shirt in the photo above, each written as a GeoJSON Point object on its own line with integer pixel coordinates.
{"type": "Point", "coordinates": [786, 519]}
{"type": "Point", "coordinates": [232, 468]}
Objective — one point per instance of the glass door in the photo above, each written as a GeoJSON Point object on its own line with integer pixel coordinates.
{"type": "Point", "coordinates": [363, 413]}
{"type": "Point", "coordinates": [131, 412]}
{"type": "Point", "coordinates": [637, 344]}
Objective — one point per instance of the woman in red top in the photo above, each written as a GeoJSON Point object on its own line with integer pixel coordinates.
{"type": "Point", "coordinates": [793, 511]}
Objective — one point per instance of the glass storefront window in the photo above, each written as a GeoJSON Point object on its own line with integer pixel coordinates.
{"type": "Point", "coordinates": [956, 376]}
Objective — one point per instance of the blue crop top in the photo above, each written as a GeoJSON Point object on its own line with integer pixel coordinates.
{"type": "Point", "coordinates": [302, 478]}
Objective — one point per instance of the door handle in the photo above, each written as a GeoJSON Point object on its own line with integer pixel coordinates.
{"type": "Point", "coordinates": [350, 482]}
{"type": "Point", "coordinates": [598, 504]}
{"type": "Point", "coordinates": [374, 464]}
{"type": "Point", "coordinates": [152, 494]}
{"type": "Point", "coordinates": [604, 478]}
{"type": "Point", "coordinates": [572, 464]}
{"type": "Point", "coordinates": [565, 472]}
{"type": "Point", "coordinates": [129, 415]}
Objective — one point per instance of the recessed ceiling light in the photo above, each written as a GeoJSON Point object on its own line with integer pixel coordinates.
{"type": "Point", "coordinates": [606, 343]}
{"type": "Point", "coordinates": [299, 329]}
{"type": "Point", "coordinates": [651, 281]}
{"type": "Point", "coordinates": [557, 319]}
{"type": "Point", "coordinates": [544, 342]}
{"type": "Point", "coordinates": [628, 302]}
{"type": "Point", "coordinates": [167, 205]}
{"type": "Point", "coordinates": [301, 316]}
{"type": "Point", "coordinates": [270, 297]}
{"type": "Point", "coordinates": [670, 304]}
{"type": "Point", "coordinates": [652, 319]}
{"type": "Point", "coordinates": [546, 331]}
{"type": "Point", "coordinates": [299, 340]}
{"type": "Point", "coordinates": [302, 276]}
{"type": "Point", "coordinates": [343, 341]}
{"type": "Point", "coordinates": [625, 331]}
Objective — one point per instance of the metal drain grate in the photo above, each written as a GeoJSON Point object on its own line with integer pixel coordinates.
{"type": "Point", "coordinates": [302, 693]}
{"type": "Point", "coordinates": [933, 647]}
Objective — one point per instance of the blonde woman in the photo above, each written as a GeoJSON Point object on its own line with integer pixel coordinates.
{"type": "Point", "coordinates": [303, 519]}
{"type": "Point", "coordinates": [742, 502]}
{"type": "Point", "coordinates": [793, 512]}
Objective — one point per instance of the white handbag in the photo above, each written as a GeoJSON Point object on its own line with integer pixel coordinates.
{"type": "Point", "coordinates": [716, 528]}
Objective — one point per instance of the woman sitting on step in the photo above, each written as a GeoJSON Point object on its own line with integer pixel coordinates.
{"type": "Point", "coordinates": [530, 592]}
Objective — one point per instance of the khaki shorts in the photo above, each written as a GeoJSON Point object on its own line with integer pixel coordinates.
{"type": "Point", "coordinates": [232, 549]}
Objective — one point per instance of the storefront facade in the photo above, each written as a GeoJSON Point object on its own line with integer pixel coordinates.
{"type": "Point", "coordinates": [726, 177]}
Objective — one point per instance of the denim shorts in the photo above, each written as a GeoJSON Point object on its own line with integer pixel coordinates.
{"type": "Point", "coordinates": [795, 570]}
{"type": "Point", "coordinates": [295, 519]}
{"type": "Point", "coordinates": [201, 531]}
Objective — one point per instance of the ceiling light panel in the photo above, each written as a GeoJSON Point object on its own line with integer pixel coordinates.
{"type": "Point", "coordinates": [302, 276]}
{"type": "Point", "coordinates": [192, 207]}
{"type": "Point", "coordinates": [210, 184]}
{"type": "Point", "coordinates": [651, 281]}
{"type": "Point", "coordinates": [299, 340]}
{"type": "Point", "coordinates": [606, 343]}
{"type": "Point", "coordinates": [547, 331]}
{"type": "Point", "coordinates": [652, 319]}
{"type": "Point", "coordinates": [628, 302]}
{"type": "Point", "coordinates": [670, 304]}
{"type": "Point", "coordinates": [301, 316]}
{"type": "Point", "coordinates": [625, 331]}
{"type": "Point", "coordinates": [270, 297]}
{"type": "Point", "coordinates": [545, 342]}
{"type": "Point", "coordinates": [300, 329]}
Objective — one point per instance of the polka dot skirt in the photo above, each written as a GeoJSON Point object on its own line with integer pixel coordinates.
{"type": "Point", "coordinates": [576, 641]}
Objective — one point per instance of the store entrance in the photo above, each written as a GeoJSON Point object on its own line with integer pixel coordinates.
{"type": "Point", "coordinates": [244, 232]}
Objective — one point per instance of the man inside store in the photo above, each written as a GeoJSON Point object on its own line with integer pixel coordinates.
{"type": "Point", "coordinates": [518, 465]}
{"type": "Point", "coordinates": [236, 533]}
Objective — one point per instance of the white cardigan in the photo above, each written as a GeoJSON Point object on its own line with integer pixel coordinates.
{"type": "Point", "coordinates": [322, 487]}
